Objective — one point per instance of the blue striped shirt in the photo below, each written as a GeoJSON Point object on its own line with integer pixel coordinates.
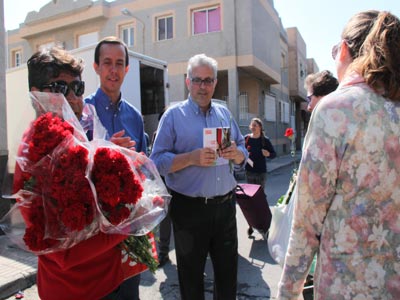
{"type": "Point", "coordinates": [180, 131]}
{"type": "Point", "coordinates": [116, 117]}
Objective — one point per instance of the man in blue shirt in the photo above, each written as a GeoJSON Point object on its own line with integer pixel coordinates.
{"type": "Point", "coordinates": [123, 122]}
{"type": "Point", "coordinates": [202, 208]}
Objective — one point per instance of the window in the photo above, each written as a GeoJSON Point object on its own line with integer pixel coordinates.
{"type": "Point", "coordinates": [16, 58]}
{"type": "Point", "coordinates": [88, 39]}
{"type": "Point", "coordinates": [206, 20]}
{"type": "Point", "coordinates": [269, 108]}
{"type": "Point", "coordinates": [243, 106]}
{"type": "Point", "coordinates": [127, 35]}
{"type": "Point", "coordinates": [164, 28]}
{"type": "Point", "coordinates": [283, 60]}
{"type": "Point", "coordinates": [284, 112]}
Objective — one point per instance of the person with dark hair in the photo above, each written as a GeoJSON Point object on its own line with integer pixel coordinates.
{"type": "Point", "coordinates": [44, 66]}
{"type": "Point", "coordinates": [347, 207]}
{"type": "Point", "coordinates": [319, 85]}
{"type": "Point", "coordinates": [259, 147]}
{"type": "Point", "coordinates": [92, 268]}
{"type": "Point", "coordinates": [123, 122]}
{"type": "Point", "coordinates": [203, 206]}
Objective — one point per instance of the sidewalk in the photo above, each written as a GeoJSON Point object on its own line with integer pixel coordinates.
{"type": "Point", "coordinates": [18, 267]}
{"type": "Point", "coordinates": [283, 161]}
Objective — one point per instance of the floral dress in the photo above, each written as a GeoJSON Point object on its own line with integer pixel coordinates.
{"type": "Point", "coordinates": [348, 201]}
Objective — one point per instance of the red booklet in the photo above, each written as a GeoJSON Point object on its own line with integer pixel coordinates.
{"type": "Point", "coordinates": [218, 139]}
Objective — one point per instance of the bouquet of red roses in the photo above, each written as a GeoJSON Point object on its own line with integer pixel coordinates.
{"type": "Point", "coordinates": [128, 193]}
{"type": "Point", "coordinates": [128, 188]}
{"type": "Point", "coordinates": [53, 195]}
{"type": "Point", "coordinates": [68, 189]}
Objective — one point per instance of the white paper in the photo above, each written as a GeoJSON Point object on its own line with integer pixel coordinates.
{"type": "Point", "coordinates": [210, 140]}
{"type": "Point", "coordinates": [250, 162]}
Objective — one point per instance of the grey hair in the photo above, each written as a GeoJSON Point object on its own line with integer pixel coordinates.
{"type": "Point", "coordinates": [202, 60]}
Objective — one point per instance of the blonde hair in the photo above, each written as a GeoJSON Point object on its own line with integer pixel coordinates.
{"type": "Point", "coordinates": [373, 39]}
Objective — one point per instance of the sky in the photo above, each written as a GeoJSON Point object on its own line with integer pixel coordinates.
{"type": "Point", "coordinates": [320, 22]}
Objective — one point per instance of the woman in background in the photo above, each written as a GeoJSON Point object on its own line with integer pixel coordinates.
{"type": "Point", "coordinates": [259, 147]}
{"type": "Point", "coordinates": [347, 207]}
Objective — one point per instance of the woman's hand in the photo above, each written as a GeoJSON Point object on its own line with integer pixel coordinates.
{"type": "Point", "coordinates": [265, 153]}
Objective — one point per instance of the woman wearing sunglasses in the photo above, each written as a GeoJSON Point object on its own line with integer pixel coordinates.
{"type": "Point", "coordinates": [347, 207]}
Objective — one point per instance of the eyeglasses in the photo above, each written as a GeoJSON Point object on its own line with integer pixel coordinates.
{"type": "Point", "coordinates": [309, 98]}
{"type": "Point", "coordinates": [62, 87]}
{"type": "Point", "coordinates": [198, 81]}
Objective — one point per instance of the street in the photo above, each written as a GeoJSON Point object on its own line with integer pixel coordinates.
{"type": "Point", "coordinates": [258, 274]}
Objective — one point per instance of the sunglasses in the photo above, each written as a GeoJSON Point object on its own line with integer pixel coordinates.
{"type": "Point", "coordinates": [309, 98]}
{"type": "Point", "coordinates": [198, 81]}
{"type": "Point", "coordinates": [62, 87]}
{"type": "Point", "coordinates": [336, 48]}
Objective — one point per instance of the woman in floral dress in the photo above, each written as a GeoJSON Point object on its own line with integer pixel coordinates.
{"type": "Point", "coordinates": [347, 207]}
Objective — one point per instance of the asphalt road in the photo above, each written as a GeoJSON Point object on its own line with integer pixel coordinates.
{"type": "Point", "coordinates": [258, 274]}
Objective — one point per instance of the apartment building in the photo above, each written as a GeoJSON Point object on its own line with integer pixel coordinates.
{"type": "Point", "coordinates": [262, 66]}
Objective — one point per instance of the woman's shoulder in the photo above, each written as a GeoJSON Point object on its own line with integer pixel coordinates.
{"type": "Point", "coordinates": [265, 137]}
{"type": "Point", "coordinates": [249, 136]}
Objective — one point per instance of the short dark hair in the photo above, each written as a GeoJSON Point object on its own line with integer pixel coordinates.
{"type": "Point", "coordinates": [110, 40]}
{"type": "Point", "coordinates": [47, 64]}
{"type": "Point", "coordinates": [322, 83]}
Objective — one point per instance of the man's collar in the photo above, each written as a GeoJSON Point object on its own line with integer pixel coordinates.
{"type": "Point", "coordinates": [196, 108]}
{"type": "Point", "coordinates": [105, 99]}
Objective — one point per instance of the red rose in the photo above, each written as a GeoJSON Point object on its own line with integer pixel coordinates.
{"type": "Point", "coordinates": [116, 184]}
{"type": "Point", "coordinates": [289, 133]}
{"type": "Point", "coordinates": [158, 201]}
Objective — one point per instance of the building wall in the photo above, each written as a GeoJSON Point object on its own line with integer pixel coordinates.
{"type": "Point", "coordinates": [3, 65]}
{"type": "Point", "coordinates": [248, 48]}
{"type": "Point", "coordinates": [312, 66]}
{"type": "Point", "coordinates": [298, 63]}
{"type": "Point", "coordinates": [265, 28]}
{"type": "Point", "coordinates": [297, 74]}
{"type": "Point", "coordinates": [4, 203]}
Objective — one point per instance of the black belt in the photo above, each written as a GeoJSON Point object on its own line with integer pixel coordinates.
{"type": "Point", "coordinates": [205, 200]}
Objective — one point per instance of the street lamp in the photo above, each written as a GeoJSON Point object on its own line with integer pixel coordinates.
{"type": "Point", "coordinates": [127, 12]}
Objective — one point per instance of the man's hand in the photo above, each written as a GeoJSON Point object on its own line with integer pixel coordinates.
{"type": "Point", "coordinates": [119, 139]}
{"type": "Point", "coordinates": [203, 157]}
{"type": "Point", "coordinates": [232, 153]}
